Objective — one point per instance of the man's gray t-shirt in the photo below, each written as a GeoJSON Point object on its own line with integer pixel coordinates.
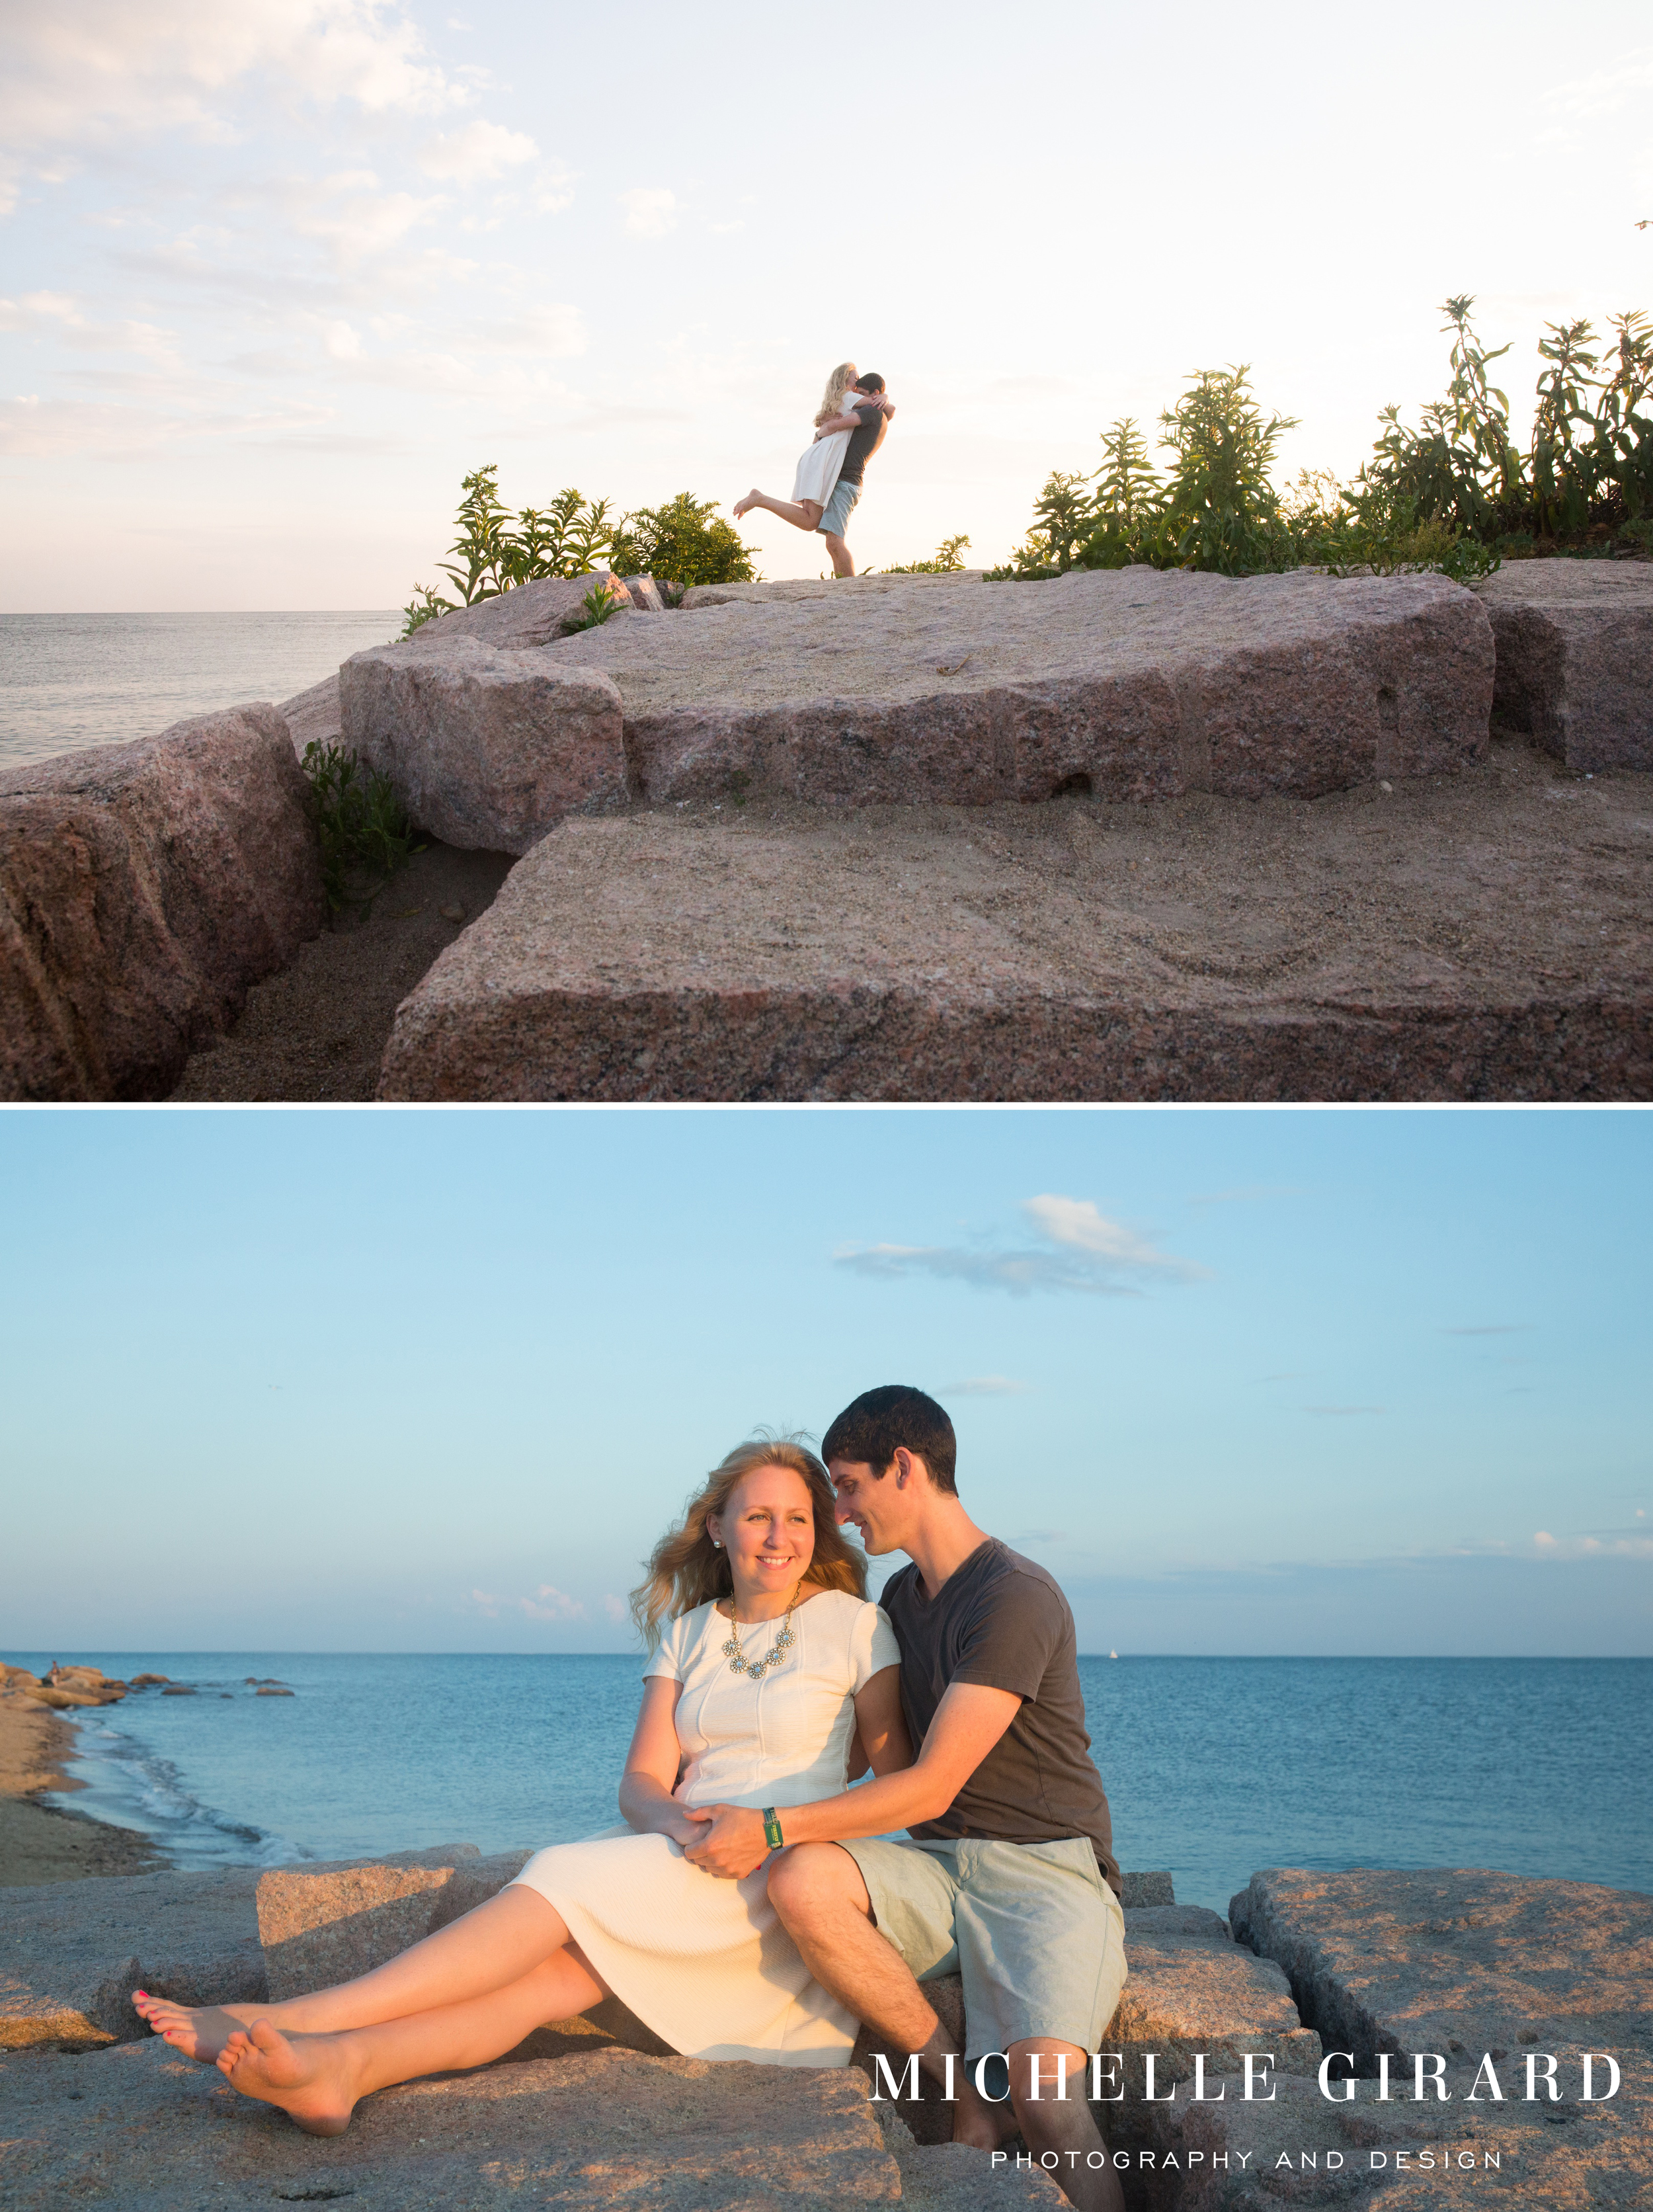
{"type": "Point", "coordinates": [861, 440]}
{"type": "Point", "coordinates": [1001, 1621]}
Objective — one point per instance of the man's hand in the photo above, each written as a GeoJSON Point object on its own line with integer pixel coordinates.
{"type": "Point", "coordinates": [732, 1845]}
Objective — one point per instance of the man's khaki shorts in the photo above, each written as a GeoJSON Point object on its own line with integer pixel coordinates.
{"type": "Point", "coordinates": [1033, 1929]}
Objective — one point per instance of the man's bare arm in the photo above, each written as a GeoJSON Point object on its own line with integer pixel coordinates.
{"type": "Point", "coordinates": [968, 1721]}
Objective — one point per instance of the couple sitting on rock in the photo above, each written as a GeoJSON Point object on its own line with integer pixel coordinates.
{"type": "Point", "coordinates": [752, 1906]}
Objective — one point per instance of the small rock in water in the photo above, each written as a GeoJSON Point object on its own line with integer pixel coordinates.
{"type": "Point", "coordinates": [142, 1681]}
{"type": "Point", "coordinates": [451, 913]}
{"type": "Point", "coordinates": [177, 1690]}
{"type": "Point", "coordinates": [269, 1692]}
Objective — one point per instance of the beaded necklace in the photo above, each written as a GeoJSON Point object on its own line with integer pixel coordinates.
{"type": "Point", "coordinates": [757, 1669]}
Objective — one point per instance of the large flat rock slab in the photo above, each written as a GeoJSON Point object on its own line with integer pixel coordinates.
{"type": "Point", "coordinates": [144, 887]}
{"type": "Point", "coordinates": [1300, 2149]}
{"type": "Point", "coordinates": [1131, 685]}
{"type": "Point", "coordinates": [1481, 936]}
{"type": "Point", "coordinates": [138, 2128]}
{"type": "Point", "coordinates": [74, 1951]}
{"type": "Point", "coordinates": [1575, 657]}
{"type": "Point", "coordinates": [1461, 1962]}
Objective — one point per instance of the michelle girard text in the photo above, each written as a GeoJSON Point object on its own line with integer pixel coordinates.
{"type": "Point", "coordinates": [1537, 2077]}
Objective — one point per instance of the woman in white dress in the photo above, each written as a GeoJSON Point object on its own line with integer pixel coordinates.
{"type": "Point", "coordinates": [819, 464]}
{"type": "Point", "coordinates": [776, 1683]}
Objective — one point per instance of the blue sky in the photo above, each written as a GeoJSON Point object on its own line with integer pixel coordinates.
{"type": "Point", "coordinates": [277, 274]}
{"type": "Point", "coordinates": [1277, 1381]}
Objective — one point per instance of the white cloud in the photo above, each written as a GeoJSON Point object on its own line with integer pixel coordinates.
{"type": "Point", "coordinates": [1613, 1547]}
{"type": "Point", "coordinates": [60, 313]}
{"type": "Point", "coordinates": [80, 78]}
{"type": "Point", "coordinates": [649, 213]}
{"type": "Point", "coordinates": [616, 1609]}
{"type": "Point", "coordinates": [343, 344]}
{"type": "Point", "coordinates": [553, 330]}
{"type": "Point", "coordinates": [547, 1603]}
{"type": "Point", "coordinates": [477, 151]}
{"type": "Point", "coordinates": [1075, 1223]}
{"type": "Point", "coordinates": [1092, 1253]}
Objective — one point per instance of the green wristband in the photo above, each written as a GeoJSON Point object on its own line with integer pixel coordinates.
{"type": "Point", "coordinates": [772, 1835]}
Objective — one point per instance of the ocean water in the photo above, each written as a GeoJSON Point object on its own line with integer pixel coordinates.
{"type": "Point", "coordinates": [1213, 1767]}
{"type": "Point", "coordinates": [69, 681]}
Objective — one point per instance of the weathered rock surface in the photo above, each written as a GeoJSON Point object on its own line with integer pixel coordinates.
{"type": "Point", "coordinates": [317, 1927]}
{"type": "Point", "coordinates": [488, 749]}
{"type": "Point", "coordinates": [143, 888]}
{"type": "Point", "coordinates": [1480, 937]}
{"type": "Point", "coordinates": [533, 614]}
{"type": "Point", "coordinates": [1459, 1962]}
{"type": "Point", "coordinates": [1231, 2156]}
{"type": "Point", "coordinates": [645, 594]}
{"type": "Point", "coordinates": [1575, 657]}
{"type": "Point", "coordinates": [313, 715]}
{"type": "Point", "coordinates": [1188, 1993]}
{"type": "Point", "coordinates": [138, 2128]}
{"type": "Point", "coordinates": [1134, 684]}
{"type": "Point", "coordinates": [1152, 1891]}
{"type": "Point", "coordinates": [74, 1951]}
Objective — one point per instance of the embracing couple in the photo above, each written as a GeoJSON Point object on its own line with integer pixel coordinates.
{"type": "Point", "coordinates": [753, 1906]}
{"type": "Point", "coordinates": [850, 425]}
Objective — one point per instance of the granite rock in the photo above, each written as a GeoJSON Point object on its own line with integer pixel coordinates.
{"type": "Point", "coordinates": [143, 888]}
{"type": "Point", "coordinates": [487, 748]}
{"type": "Point", "coordinates": [320, 1925]}
{"type": "Point", "coordinates": [1575, 657]}
{"type": "Point", "coordinates": [531, 615]}
{"type": "Point", "coordinates": [1159, 1921]}
{"type": "Point", "coordinates": [1190, 1993]}
{"type": "Point", "coordinates": [645, 595]}
{"type": "Point", "coordinates": [313, 715]}
{"type": "Point", "coordinates": [74, 1951]}
{"type": "Point", "coordinates": [1148, 1892]}
{"type": "Point", "coordinates": [138, 2129]}
{"type": "Point", "coordinates": [1132, 684]}
{"type": "Point", "coordinates": [1227, 2155]}
{"type": "Point", "coordinates": [1478, 940]}
{"type": "Point", "coordinates": [1459, 1962]}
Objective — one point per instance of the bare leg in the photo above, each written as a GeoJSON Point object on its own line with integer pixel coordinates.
{"type": "Point", "coordinates": [486, 1949]}
{"type": "Point", "coordinates": [802, 514]}
{"type": "Point", "coordinates": [318, 2079]}
{"type": "Point", "coordinates": [1068, 2128]}
{"type": "Point", "coordinates": [817, 1890]}
{"type": "Point", "coordinates": [842, 564]}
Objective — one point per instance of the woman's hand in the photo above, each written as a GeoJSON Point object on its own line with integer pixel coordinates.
{"type": "Point", "coordinates": [732, 1845]}
{"type": "Point", "coordinates": [689, 1825]}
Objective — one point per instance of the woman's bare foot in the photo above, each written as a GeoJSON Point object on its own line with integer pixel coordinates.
{"type": "Point", "coordinates": [306, 2075]}
{"type": "Point", "coordinates": [200, 2032]}
{"type": "Point", "coordinates": [754, 498]}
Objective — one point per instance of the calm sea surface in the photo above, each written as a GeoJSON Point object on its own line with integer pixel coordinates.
{"type": "Point", "coordinates": [68, 680]}
{"type": "Point", "coordinates": [1214, 1766]}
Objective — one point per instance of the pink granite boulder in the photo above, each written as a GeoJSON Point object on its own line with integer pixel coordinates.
{"type": "Point", "coordinates": [143, 888]}
{"type": "Point", "coordinates": [487, 748]}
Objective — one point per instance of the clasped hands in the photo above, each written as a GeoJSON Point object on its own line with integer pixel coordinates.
{"type": "Point", "coordinates": [726, 1840]}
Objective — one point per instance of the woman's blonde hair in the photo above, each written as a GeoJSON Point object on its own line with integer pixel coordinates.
{"type": "Point", "coordinates": [686, 1569]}
{"type": "Point", "coordinates": [837, 384]}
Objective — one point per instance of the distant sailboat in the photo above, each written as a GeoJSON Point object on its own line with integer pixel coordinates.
{"type": "Point", "coordinates": [1113, 1655]}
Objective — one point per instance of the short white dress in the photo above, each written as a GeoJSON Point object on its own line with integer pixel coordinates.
{"type": "Point", "coordinates": [704, 1961]}
{"type": "Point", "coordinates": [818, 465]}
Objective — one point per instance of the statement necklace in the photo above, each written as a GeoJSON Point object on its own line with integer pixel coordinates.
{"type": "Point", "coordinates": [757, 1669]}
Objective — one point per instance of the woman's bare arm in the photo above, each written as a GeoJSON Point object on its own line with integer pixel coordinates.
{"type": "Point", "coordinates": [645, 1800]}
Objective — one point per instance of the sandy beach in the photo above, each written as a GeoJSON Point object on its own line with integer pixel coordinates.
{"type": "Point", "coordinates": [41, 1842]}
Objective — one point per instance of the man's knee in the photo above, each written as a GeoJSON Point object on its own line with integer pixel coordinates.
{"type": "Point", "coordinates": [809, 1879]}
{"type": "Point", "coordinates": [1038, 2074]}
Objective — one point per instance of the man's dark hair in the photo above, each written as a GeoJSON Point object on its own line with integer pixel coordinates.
{"type": "Point", "coordinates": [873, 382]}
{"type": "Point", "coordinates": [868, 1431]}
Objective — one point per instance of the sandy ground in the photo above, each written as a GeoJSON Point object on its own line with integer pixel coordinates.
{"type": "Point", "coordinates": [316, 1031]}
{"type": "Point", "coordinates": [39, 1843]}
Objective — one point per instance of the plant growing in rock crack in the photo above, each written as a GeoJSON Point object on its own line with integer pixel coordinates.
{"type": "Point", "coordinates": [599, 606]}
{"type": "Point", "coordinates": [363, 827]}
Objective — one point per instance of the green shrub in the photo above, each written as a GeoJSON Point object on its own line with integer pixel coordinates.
{"type": "Point", "coordinates": [946, 561]}
{"type": "Point", "coordinates": [365, 833]}
{"type": "Point", "coordinates": [681, 543]}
